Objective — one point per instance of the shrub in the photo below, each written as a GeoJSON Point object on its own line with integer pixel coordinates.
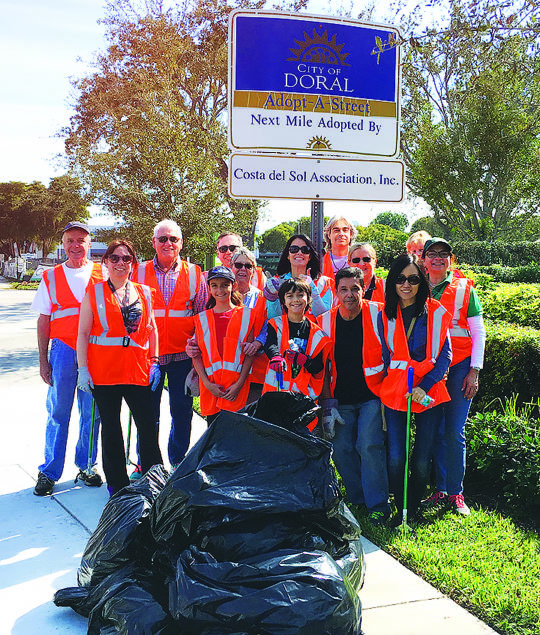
{"type": "Point", "coordinates": [512, 364]}
{"type": "Point", "coordinates": [482, 252]}
{"type": "Point", "coordinates": [503, 456]}
{"type": "Point", "coordinates": [388, 242]}
{"type": "Point", "coordinates": [515, 303]}
{"type": "Point", "coordinates": [500, 273]}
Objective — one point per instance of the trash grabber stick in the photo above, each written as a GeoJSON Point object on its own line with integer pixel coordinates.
{"type": "Point", "coordinates": [410, 380]}
{"type": "Point", "coordinates": [279, 383]}
{"type": "Point", "coordinates": [128, 441]}
{"type": "Point", "coordinates": [90, 463]}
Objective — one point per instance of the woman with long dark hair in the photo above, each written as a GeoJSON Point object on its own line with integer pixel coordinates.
{"type": "Point", "coordinates": [413, 330]}
{"type": "Point", "coordinates": [300, 260]}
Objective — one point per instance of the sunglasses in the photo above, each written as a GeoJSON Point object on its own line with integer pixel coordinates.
{"type": "Point", "coordinates": [164, 239]}
{"type": "Point", "coordinates": [437, 254]}
{"type": "Point", "coordinates": [239, 265]}
{"type": "Point", "coordinates": [223, 249]}
{"type": "Point", "coordinates": [364, 259]}
{"type": "Point", "coordinates": [114, 258]}
{"type": "Point", "coordinates": [294, 249]}
{"type": "Point", "coordinates": [412, 280]}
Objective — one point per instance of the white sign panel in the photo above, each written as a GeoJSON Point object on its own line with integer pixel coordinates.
{"type": "Point", "coordinates": [312, 83]}
{"type": "Point", "coordinates": [314, 178]}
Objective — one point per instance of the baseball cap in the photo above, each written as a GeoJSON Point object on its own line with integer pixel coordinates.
{"type": "Point", "coordinates": [75, 224]}
{"type": "Point", "coordinates": [435, 241]}
{"type": "Point", "coordinates": [221, 272]}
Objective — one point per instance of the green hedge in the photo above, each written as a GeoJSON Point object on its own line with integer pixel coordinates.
{"type": "Point", "coordinates": [500, 273]}
{"type": "Point", "coordinates": [512, 364]}
{"type": "Point", "coordinates": [513, 303]}
{"type": "Point", "coordinates": [503, 457]}
{"type": "Point", "coordinates": [387, 241]}
{"type": "Point", "coordinates": [487, 253]}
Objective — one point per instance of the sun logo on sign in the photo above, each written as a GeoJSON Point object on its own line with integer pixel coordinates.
{"type": "Point", "coordinates": [319, 143]}
{"type": "Point", "coordinates": [319, 50]}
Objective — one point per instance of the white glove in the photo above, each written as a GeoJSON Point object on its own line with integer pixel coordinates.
{"type": "Point", "coordinates": [84, 380]}
{"type": "Point", "coordinates": [331, 416]}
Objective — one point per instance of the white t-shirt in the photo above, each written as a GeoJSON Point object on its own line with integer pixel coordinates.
{"type": "Point", "coordinates": [77, 280]}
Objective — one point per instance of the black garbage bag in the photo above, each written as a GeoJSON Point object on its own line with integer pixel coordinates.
{"type": "Point", "coordinates": [123, 533]}
{"type": "Point", "coordinates": [242, 474]}
{"type": "Point", "coordinates": [289, 410]}
{"type": "Point", "coordinates": [285, 592]}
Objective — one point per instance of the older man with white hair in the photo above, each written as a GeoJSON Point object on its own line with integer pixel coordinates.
{"type": "Point", "coordinates": [339, 234]}
{"type": "Point", "coordinates": [178, 297]}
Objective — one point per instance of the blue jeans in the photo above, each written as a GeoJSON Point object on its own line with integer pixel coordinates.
{"type": "Point", "coordinates": [427, 426]}
{"type": "Point", "coordinates": [359, 454]}
{"type": "Point", "coordinates": [450, 452]}
{"type": "Point", "coordinates": [181, 407]}
{"type": "Point", "coordinates": [60, 396]}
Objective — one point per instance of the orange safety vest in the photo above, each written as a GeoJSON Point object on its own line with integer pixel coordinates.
{"type": "Point", "coordinates": [64, 318]}
{"type": "Point", "coordinates": [260, 361]}
{"type": "Point", "coordinates": [174, 320]}
{"type": "Point", "coordinates": [258, 279]}
{"type": "Point", "coordinates": [455, 299]}
{"type": "Point", "coordinates": [372, 348]}
{"type": "Point", "coordinates": [394, 386]}
{"type": "Point", "coordinates": [378, 292]}
{"type": "Point", "coordinates": [114, 357]}
{"type": "Point", "coordinates": [304, 382]}
{"type": "Point", "coordinates": [225, 370]}
{"type": "Point", "coordinates": [327, 268]}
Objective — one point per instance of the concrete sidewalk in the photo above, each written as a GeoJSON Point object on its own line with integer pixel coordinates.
{"type": "Point", "coordinates": [42, 539]}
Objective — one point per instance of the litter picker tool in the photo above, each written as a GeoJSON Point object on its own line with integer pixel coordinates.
{"type": "Point", "coordinates": [90, 463]}
{"type": "Point", "coordinates": [410, 380]}
{"type": "Point", "coordinates": [128, 440]}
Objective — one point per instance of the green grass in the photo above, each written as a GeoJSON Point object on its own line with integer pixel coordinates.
{"type": "Point", "coordinates": [484, 562]}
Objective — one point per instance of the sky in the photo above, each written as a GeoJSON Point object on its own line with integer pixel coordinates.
{"type": "Point", "coordinates": [45, 43]}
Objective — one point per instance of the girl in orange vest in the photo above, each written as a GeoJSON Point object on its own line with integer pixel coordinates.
{"type": "Point", "coordinates": [364, 257]}
{"type": "Point", "coordinates": [297, 347]}
{"type": "Point", "coordinates": [117, 354]}
{"type": "Point", "coordinates": [413, 329]}
{"type": "Point", "coordinates": [220, 334]}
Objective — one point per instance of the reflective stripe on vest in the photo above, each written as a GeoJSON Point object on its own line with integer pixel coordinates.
{"type": "Point", "coordinates": [59, 313]}
{"type": "Point", "coordinates": [102, 313]}
{"type": "Point", "coordinates": [438, 315]}
{"type": "Point", "coordinates": [459, 299]}
{"type": "Point", "coordinates": [457, 331]}
{"type": "Point", "coordinates": [103, 340]}
{"type": "Point", "coordinates": [161, 313]}
{"type": "Point", "coordinates": [214, 366]}
{"type": "Point", "coordinates": [326, 323]}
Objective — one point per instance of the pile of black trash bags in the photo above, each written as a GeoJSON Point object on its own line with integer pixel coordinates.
{"type": "Point", "coordinates": [249, 535]}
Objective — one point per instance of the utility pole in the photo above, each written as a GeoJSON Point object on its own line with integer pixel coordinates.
{"type": "Point", "coordinates": [317, 225]}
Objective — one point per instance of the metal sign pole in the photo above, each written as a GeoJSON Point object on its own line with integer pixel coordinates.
{"type": "Point", "coordinates": [317, 225]}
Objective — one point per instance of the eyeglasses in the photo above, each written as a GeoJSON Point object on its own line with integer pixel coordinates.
{"type": "Point", "coordinates": [364, 259]}
{"type": "Point", "coordinates": [412, 280]}
{"type": "Point", "coordinates": [438, 254]}
{"type": "Point", "coordinates": [294, 249]}
{"type": "Point", "coordinates": [239, 265]}
{"type": "Point", "coordinates": [164, 239]}
{"type": "Point", "coordinates": [223, 249]}
{"type": "Point", "coordinates": [114, 258]}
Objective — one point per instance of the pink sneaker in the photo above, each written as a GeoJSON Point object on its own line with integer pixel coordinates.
{"type": "Point", "coordinates": [435, 500]}
{"type": "Point", "coordinates": [456, 502]}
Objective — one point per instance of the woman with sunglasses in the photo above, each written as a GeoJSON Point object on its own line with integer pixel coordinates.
{"type": "Point", "coordinates": [244, 266]}
{"type": "Point", "coordinates": [413, 331]}
{"type": "Point", "coordinates": [468, 336]}
{"type": "Point", "coordinates": [117, 354]}
{"type": "Point", "coordinates": [300, 260]}
{"type": "Point", "coordinates": [364, 257]}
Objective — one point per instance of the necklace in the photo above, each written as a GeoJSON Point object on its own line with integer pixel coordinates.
{"type": "Point", "coordinates": [334, 266]}
{"type": "Point", "coordinates": [121, 301]}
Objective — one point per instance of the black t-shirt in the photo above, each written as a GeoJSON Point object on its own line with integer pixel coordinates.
{"type": "Point", "coordinates": [351, 384]}
{"type": "Point", "coordinates": [299, 333]}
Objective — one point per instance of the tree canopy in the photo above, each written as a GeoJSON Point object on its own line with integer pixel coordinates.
{"type": "Point", "coordinates": [32, 212]}
{"type": "Point", "coordinates": [149, 131]}
{"type": "Point", "coordinates": [392, 219]}
{"type": "Point", "coordinates": [471, 121]}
